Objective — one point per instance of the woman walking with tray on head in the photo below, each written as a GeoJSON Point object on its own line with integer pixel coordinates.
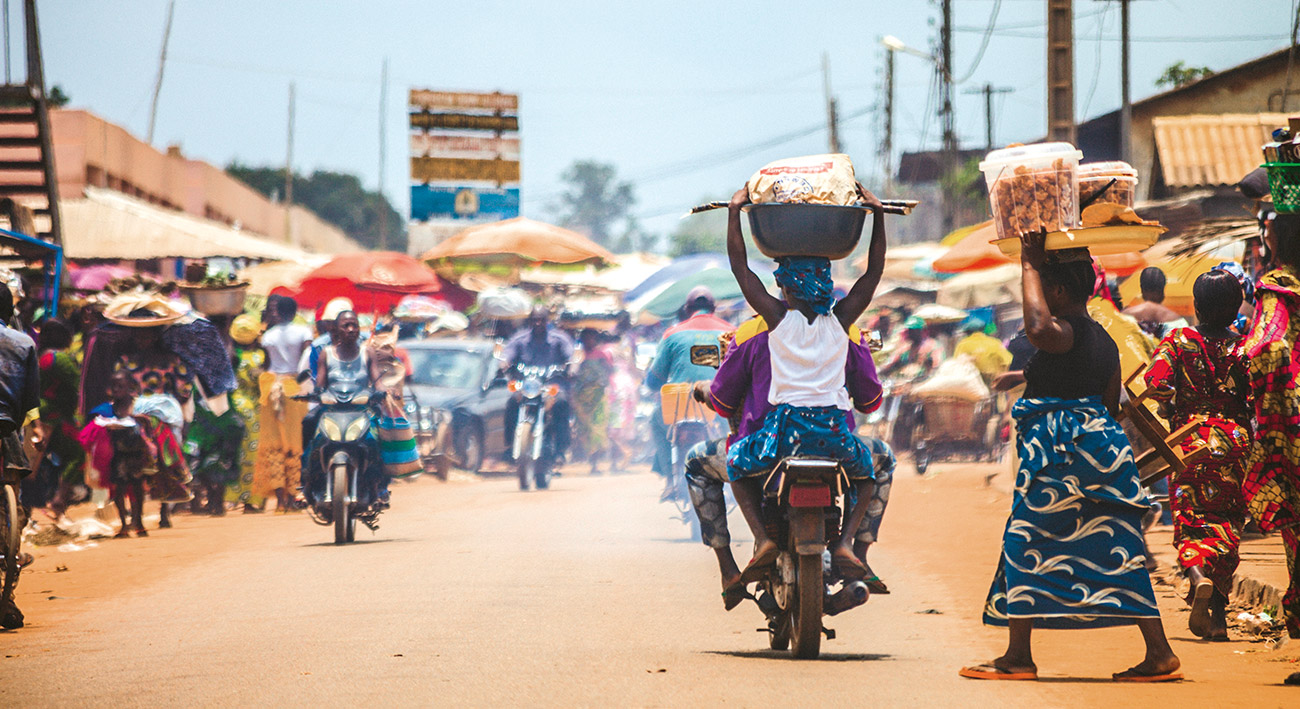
{"type": "Point", "coordinates": [1072, 551]}
{"type": "Point", "coordinates": [1199, 371]}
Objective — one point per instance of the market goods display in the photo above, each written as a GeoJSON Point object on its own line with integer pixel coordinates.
{"type": "Point", "coordinates": [1033, 188]}
{"type": "Point", "coordinates": [812, 179]}
{"type": "Point", "coordinates": [1107, 182]}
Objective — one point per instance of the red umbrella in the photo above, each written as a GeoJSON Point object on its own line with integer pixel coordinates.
{"type": "Point", "coordinates": [373, 280]}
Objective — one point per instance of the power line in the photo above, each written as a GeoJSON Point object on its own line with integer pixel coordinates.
{"type": "Point", "coordinates": [984, 42]}
{"type": "Point", "coordinates": [1177, 39]}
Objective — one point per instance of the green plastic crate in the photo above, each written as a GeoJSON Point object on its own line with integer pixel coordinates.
{"type": "Point", "coordinates": [1284, 183]}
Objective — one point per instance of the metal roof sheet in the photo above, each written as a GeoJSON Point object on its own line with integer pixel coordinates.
{"type": "Point", "coordinates": [1212, 150]}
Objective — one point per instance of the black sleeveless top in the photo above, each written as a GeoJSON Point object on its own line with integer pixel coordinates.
{"type": "Point", "coordinates": [1084, 371]}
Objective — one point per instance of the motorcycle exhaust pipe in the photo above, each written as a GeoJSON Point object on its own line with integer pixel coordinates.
{"type": "Point", "coordinates": [850, 596]}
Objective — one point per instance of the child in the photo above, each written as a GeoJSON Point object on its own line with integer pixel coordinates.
{"type": "Point", "coordinates": [808, 346]}
{"type": "Point", "coordinates": [118, 452]}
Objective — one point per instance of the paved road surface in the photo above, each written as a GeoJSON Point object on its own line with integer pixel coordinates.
{"type": "Point", "coordinates": [477, 594]}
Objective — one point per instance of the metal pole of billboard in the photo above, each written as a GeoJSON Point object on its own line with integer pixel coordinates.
{"type": "Point", "coordinates": [383, 113]}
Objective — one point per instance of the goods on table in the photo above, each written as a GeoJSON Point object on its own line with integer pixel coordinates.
{"type": "Point", "coordinates": [1095, 183]}
{"type": "Point", "coordinates": [1033, 188]}
{"type": "Point", "coordinates": [956, 378]}
{"type": "Point", "coordinates": [813, 179]}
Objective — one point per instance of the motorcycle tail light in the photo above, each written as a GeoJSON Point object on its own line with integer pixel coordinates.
{"type": "Point", "coordinates": [814, 495]}
{"type": "Point", "coordinates": [553, 390]}
{"type": "Point", "coordinates": [512, 387]}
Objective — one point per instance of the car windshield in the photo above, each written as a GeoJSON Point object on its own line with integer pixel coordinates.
{"type": "Point", "coordinates": [456, 369]}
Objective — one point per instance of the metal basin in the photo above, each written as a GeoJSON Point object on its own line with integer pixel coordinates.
{"type": "Point", "coordinates": [806, 229]}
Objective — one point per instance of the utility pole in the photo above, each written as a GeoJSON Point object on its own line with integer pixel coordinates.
{"type": "Point", "coordinates": [832, 120]}
{"type": "Point", "coordinates": [162, 64]}
{"type": "Point", "coordinates": [1126, 102]}
{"type": "Point", "coordinates": [988, 90]}
{"type": "Point", "coordinates": [946, 113]}
{"type": "Point", "coordinates": [288, 176]}
{"type": "Point", "coordinates": [887, 139]}
{"type": "Point", "coordinates": [383, 106]}
{"type": "Point", "coordinates": [1060, 70]}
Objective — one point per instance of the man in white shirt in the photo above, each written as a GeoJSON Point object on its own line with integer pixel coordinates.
{"type": "Point", "coordinates": [285, 340]}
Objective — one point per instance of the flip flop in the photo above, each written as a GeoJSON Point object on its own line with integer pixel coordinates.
{"type": "Point", "coordinates": [876, 586]}
{"type": "Point", "coordinates": [759, 564]}
{"type": "Point", "coordinates": [734, 595]}
{"type": "Point", "coordinates": [850, 567]}
{"type": "Point", "coordinates": [990, 671]}
{"type": "Point", "coordinates": [1132, 675]}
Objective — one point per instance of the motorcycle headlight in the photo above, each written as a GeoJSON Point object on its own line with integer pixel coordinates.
{"type": "Point", "coordinates": [330, 428]}
{"type": "Point", "coordinates": [357, 428]}
{"type": "Point", "coordinates": [532, 388]}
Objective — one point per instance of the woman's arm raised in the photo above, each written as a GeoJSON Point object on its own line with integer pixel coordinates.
{"type": "Point", "coordinates": [771, 309]}
{"type": "Point", "coordinates": [848, 310]}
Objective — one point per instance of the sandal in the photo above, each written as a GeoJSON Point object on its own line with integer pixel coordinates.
{"type": "Point", "coordinates": [734, 595]}
{"type": "Point", "coordinates": [876, 586]}
{"type": "Point", "coordinates": [1133, 675]}
{"type": "Point", "coordinates": [988, 670]}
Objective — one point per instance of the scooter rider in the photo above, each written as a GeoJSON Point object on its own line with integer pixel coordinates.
{"type": "Point", "coordinates": [345, 367]}
{"type": "Point", "coordinates": [739, 391]}
{"type": "Point", "coordinates": [540, 345]}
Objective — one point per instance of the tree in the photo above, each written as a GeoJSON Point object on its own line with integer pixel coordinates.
{"type": "Point", "coordinates": [704, 233]}
{"type": "Point", "coordinates": [56, 98]}
{"type": "Point", "coordinates": [594, 201]}
{"type": "Point", "coordinates": [338, 198]}
{"type": "Point", "coordinates": [1179, 74]}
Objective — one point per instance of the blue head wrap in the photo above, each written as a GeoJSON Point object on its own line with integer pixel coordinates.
{"type": "Point", "coordinates": [1247, 285]}
{"type": "Point", "coordinates": [808, 278]}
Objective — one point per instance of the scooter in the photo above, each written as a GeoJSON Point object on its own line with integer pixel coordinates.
{"type": "Point", "coordinates": [342, 449]}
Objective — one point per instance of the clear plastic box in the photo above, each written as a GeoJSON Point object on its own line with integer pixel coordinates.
{"type": "Point", "coordinates": [1094, 176]}
{"type": "Point", "coordinates": [1033, 187]}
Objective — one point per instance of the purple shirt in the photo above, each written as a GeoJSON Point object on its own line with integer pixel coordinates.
{"type": "Point", "coordinates": [745, 379]}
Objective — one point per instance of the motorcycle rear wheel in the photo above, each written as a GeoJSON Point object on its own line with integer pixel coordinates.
{"type": "Point", "coordinates": [344, 523]}
{"type": "Point", "coordinates": [806, 611]}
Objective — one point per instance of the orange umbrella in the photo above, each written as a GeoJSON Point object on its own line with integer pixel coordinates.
{"type": "Point", "coordinates": [374, 280]}
{"type": "Point", "coordinates": [974, 253]}
{"type": "Point", "coordinates": [519, 241]}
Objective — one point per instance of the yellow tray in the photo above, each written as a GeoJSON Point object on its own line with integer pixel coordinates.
{"type": "Point", "coordinates": [1119, 239]}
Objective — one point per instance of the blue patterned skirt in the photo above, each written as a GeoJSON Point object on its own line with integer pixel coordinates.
{"type": "Point", "coordinates": [800, 430]}
{"type": "Point", "coordinates": [1072, 551]}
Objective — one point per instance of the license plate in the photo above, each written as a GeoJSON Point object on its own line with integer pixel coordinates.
{"type": "Point", "coordinates": [810, 496]}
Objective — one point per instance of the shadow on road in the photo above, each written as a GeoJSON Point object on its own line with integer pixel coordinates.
{"type": "Point", "coordinates": [381, 540]}
{"type": "Point", "coordinates": [782, 655]}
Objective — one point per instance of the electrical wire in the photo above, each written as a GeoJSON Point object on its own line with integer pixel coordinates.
{"type": "Point", "coordinates": [984, 43]}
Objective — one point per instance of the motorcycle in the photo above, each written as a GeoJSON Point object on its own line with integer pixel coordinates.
{"type": "Point", "coordinates": [537, 390]}
{"type": "Point", "coordinates": [804, 498]}
{"type": "Point", "coordinates": [342, 448]}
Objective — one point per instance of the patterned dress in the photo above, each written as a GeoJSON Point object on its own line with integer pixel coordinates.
{"type": "Point", "coordinates": [591, 401]}
{"type": "Point", "coordinates": [1196, 376]}
{"type": "Point", "coordinates": [1272, 484]}
{"type": "Point", "coordinates": [164, 389]}
{"type": "Point", "coordinates": [249, 364]}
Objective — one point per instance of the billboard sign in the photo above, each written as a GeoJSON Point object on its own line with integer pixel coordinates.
{"type": "Point", "coordinates": [463, 202]}
{"type": "Point", "coordinates": [465, 155]}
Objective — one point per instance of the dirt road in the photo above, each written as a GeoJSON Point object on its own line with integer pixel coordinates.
{"type": "Point", "coordinates": [477, 594]}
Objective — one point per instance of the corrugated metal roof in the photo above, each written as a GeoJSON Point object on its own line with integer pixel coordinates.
{"type": "Point", "coordinates": [110, 225]}
{"type": "Point", "coordinates": [1211, 150]}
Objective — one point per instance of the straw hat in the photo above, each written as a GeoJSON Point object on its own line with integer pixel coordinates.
{"type": "Point", "coordinates": [125, 309]}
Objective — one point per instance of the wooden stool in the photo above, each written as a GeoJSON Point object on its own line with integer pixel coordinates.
{"type": "Point", "coordinates": [1166, 455]}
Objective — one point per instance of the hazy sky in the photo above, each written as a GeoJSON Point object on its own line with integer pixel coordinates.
{"type": "Point", "coordinates": [685, 98]}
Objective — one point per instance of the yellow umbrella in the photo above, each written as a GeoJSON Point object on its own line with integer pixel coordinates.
{"type": "Point", "coordinates": [518, 242]}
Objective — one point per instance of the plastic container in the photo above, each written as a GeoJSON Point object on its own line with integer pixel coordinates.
{"type": "Point", "coordinates": [1095, 176]}
{"type": "Point", "coordinates": [806, 229]}
{"type": "Point", "coordinates": [1033, 187]}
{"type": "Point", "coordinates": [224, 300]}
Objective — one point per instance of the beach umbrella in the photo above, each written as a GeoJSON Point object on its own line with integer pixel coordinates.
{"type": "Point", "coordinates": [719, 280]}
{"type": "Point", "coordinates": [265, 277]}
{"type": "Point", "coordinates": [518, 242]}
{"type": "Point", "coordinates": [673, 272]}
{"type": "Point", "coordinates": [375, 281]}
{"type": "Point", "coordinates": [97, 276]}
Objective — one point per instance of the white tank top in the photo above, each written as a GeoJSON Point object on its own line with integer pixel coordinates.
{"type": "Point", "coordinates": [808, 361]}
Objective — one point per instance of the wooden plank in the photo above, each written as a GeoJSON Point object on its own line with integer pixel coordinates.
{"type": "Point", "coordinates": [464, 121]}
{"type": "Point", "coordinates": [453, 169]}
{"type": "Point", "coordinates": [462, 100]}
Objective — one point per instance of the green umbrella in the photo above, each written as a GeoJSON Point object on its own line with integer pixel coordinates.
{"type": "Point", "coordinates": [718, 280]}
